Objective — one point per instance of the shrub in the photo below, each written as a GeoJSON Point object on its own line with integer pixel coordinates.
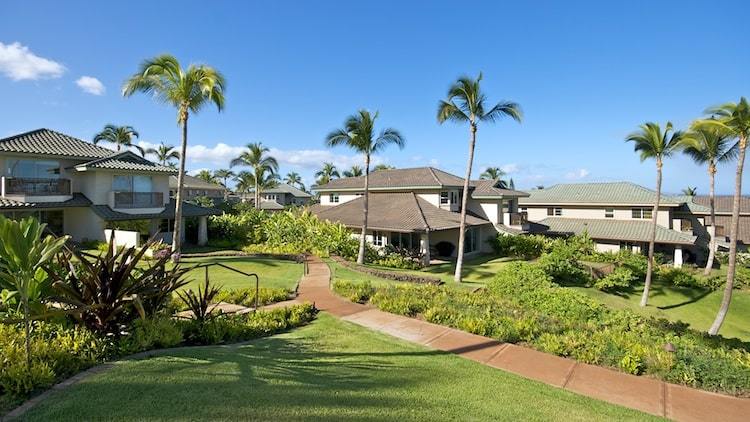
{"type": "Point", "coordinates": [620, 278]}
{"type": "Point", "coordinates": [246, 297]}
{"type": "Point", "coordinates": [151, 333]}
{"type": "Point", "coordinates": [520, 246]}
{"type": "Point", "coordinates": [355, 292]}
{"type": "Point", "coordinates": [563, 266]}
{"type": "Point", "coordinates": [200, 303]}
{"type": "Point", "coordinates": [395, 260]}
{"type": "Point", "coordinates": [678, 277]}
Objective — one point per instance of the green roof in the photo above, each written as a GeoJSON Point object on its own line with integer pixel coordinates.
{"type": "Point", "coordinates": [49, 142]}
{"type": "Point", "coordinates": [611, 193]}
{"type": "Point", "coordinates": [618, 230]}
{"type": "Point", "coordinates": [188, 210]}
{"type": "Point", "coordinates": [78, 200]}
{"type": "Point", "coordinates": [127, 161]}
{"type": "Point", "coordinates": [285, 188]}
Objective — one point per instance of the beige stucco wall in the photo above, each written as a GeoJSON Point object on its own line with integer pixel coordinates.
{"type": "Point", "coordinates": [538, 213]}
{"type": "Point", "coordinates": [83, 224]}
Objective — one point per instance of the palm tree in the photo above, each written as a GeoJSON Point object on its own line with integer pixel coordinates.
{"type": "Point", "coordinates": [358, 134]}
{"type": "Point", "coordinates": [355, 171]}
{"type": "Point", "coordinates": [164, 153]}
{"type": "Point", "coordinates": [121, 136]}
{"type": "Point", "coordinates": [492, 173]}
{"type": "Point", "coordinates": [257, 158]}
{"type": "Point", "coordinates": [188, 90]}
{"type": "Point", "coordinates": [247, 181]}
{"type": "Point", "coordinates": [294, 179]}
{"type": "Point", "coordinates": [465, 102]}
{"type": "Point", "coordinates": [383, 167]}
{"type": "Point", "coordinates": [690, 191]}
{"type": "Point", "coordinates": [224, 174]}
{"type": "Point", "coordinates": [735, 119]}
{"type": "Point", "coordinates": [206, 176]}
{"type": "Point", "coordinates": [511, 184]}
{"type": "Point", "coordinates": [651, 142]}
{"type": "Point", "coordinates": [709, 145]}
{"type": "Point", "coordinates": [327, 173]}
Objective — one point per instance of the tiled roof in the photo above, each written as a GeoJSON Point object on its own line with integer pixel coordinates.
{"type": "Point", "coordinates": [49, 142]}
{"type": "Point", "coordinates": [127, 161]}
{"type": "Point", "coordinates": [78, 200]}
{"type": "Point", "coordinates": [691, 205]}
{"type": "Point", "coordinates": [615, 193]}
{"type": "Point", "coordinates": [188, 210]}
{"type": "Point", "coordinates": [404, 212]}
{"type": "Point", "coordinates": [489, 189]}
{"type": "Point", "coordinates": [723, 203]}
{"type": "Point", "coordinates": [270, 205]}
{"type": "Point", "coordinates": [424, 177]}
{"type": "Point", "coordinates": [285, 188]}
{"type": "Point", "coordinates": [624, 230]}
{"type": "Point", "coordinates": [191, 182]}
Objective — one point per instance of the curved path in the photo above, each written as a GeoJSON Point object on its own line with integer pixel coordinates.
{"type": "Point", "coordinates": [641, 393]}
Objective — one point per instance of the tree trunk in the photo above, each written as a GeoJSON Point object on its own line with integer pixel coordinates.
{"type": "Point", "coordinates": [256, 197]}
{"type": "Point", "coordinates": [177, 231]}
{"type": "Point", "coordinates": [27, 328]}
{"type": "Point", "coordinates": [712, 221]}
{"type": "Point", "coordinates": [652, 240]}
{"type": "Point", "coordinates": [462, 226]}
{"type": "Point", "coordinates": [226, 190]}
{"type": "Point", "coordinates": [734, 227]}
{"type": "Point", "coordinates": [363, 234]}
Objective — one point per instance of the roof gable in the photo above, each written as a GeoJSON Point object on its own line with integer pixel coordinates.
{"type": "Point", "coordinates": [50, 142]}
{"type": "Point", "coordinates": [127, 161]}
{"type": "Point", "coordinates": [419, 177]}
{"type": "Point", "coordinates": [623, 193]}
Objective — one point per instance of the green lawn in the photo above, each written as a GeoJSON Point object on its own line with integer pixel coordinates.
{"type": "Point", "coordinates": [696, 307]}
{"type": "Point", "coordinates": [276, 273]}
{"type": "Point", "coordinates": [329, 370]}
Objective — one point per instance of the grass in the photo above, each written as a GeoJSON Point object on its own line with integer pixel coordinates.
{"type": "Point", "coordinates": [329, 370]}
{"type": "Point", "coordinates": [696, 307]}
{"type": "Point", "coordinates": [277, 273]}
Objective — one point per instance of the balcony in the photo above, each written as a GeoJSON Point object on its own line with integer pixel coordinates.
{"type": "Point", "coordinates": [26, 189]}
{"type": "Point", "coordinates": [133, 200]}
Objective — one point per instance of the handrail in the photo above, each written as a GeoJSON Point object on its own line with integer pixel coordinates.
{"type": "Point", "coordinates": [257, 279]}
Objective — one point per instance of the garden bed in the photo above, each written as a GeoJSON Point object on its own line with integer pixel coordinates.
{"type": "Point", "coordinates": [389, 275]}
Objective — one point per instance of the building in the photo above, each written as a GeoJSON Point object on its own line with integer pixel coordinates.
{"type": "Point", "coordinates": [193, 187]}
{"type": "Point", "coordinates": [280, 197]}
{"type": "Point", "coordinates": [419, 208]}
{"type": "Point", "coordinates": [617, 216]}
{"type": "Point", "coordinates": [83, 190]}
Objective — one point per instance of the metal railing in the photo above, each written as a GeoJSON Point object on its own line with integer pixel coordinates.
{"type": "Point", "coordinates": [518, 218]}
{"type": "Point", "coordinates": [226, 267]}
{"type": "Point", "coordinates": [139, 199]}
{"type": "Point", "coordinates": [36, 186]}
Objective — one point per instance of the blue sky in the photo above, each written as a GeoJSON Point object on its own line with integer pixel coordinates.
{"type": "Point", "coordinates": [585, 73]}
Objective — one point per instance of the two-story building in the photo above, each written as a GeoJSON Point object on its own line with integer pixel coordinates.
{"type": "Point", "coordinates": [193, 187]}
{"type": "Point", "coordinates": [615, 215]}
{"type": "Point", "coordinates": [280, 197]}
{"type": "Point", "coordinates": [419, 208]}
{"type": "Point", "coordinates": [87, 191]}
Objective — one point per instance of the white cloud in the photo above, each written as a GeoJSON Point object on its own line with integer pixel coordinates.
{"type": "Point", "coordinates": [510, 168]}
{"type": "Point", "coordinates": [18, 63]}
{"type": "Point", "coordinates": [577, 174]}
{"type": "Point", "coordinates": [91, 85]}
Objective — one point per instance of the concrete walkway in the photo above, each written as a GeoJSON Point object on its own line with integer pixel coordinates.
{"type": "Point", "coordinates": [646, 394]}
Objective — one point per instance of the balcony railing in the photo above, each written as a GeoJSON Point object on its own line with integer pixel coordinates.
{"type": "Point", "coordinates": [518, 218]}
{"type": "Point", "coordinates": [36, 187]}
{"type": "Point", "coordinates": [139, 199]}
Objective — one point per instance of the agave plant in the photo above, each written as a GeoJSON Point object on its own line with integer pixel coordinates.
{"type": "Point", "coordinates": [200, 304]}
{"type": "Point", "coordinates": [112, 289]}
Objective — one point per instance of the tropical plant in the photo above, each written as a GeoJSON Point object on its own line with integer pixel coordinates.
{"type": "Point", "coordinates": [327, 173]}
{"type": "Point", "coordinates": [383, 167]}
{"type": "Point", "coordinates": [735, 119]}
{"type": "Point", "coordinates": [112, 289]}
{"type": "Point", "coordinates": [121, 136]}
{"type": "Point", "coordinates": [651, 142]}
{"type": "Point", "coordinates": [206, 176]}
{"type": "Point", "coordinates": [690, 191]}
{"type": "Point", "coordinates": [358, 134]}
{"type": "Point", "coordinates": [200, 304]}
{"type": "Point", "coordinates": [355, 171]}
{"type": "Point", "coordinates": [492, 173]}
{"type": "Point", "coordinates": [264, 167]}
{"type": "Point", "coordinates": [188, 90]}
{"type": "Point", "coordinates": [465, 102]}
{"type": "Point", "coordinates": [294, 179]}
{"type": "Point", "coordinates": [23, 253]}
{"type": "Point", "coordinates": [224, 175]}
{"type": "Point", "coordinates": [709, 145]}
{"type": "Point", "coordinates": [164, 153]}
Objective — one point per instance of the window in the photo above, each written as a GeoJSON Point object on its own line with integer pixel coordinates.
{"type": "Point", "coordinates": [627, 246]}
{"type": "Point", "coordinates": [523, 209]}
{"type": "Point", "coordinates": [609, 213]}
{"type": "Point", "coordinates": [686, 225]}
{"type": "Point", "coordinates": [454, 197]}
{"type": "Point", "coordinates": [378, 238]}
{"type": "Point", "coordinates": [471, 243]}
{"type": "Point", "coordinates": [132, 184]}
{"type": "Point", "coordinates": [270, 196]}
{"type": "Point", "coordinates": [406, 241]}
{"type": "Point", "coordinates": [444, 198]}
{"type": "Point", "coordinates": [166, 226]}
{"type": "Point", "coordinates": [557, 212]}
{"type": "Point", "coordinates": [333, 198]}
{"type": "Point", "coordinates": [642, 213]}
{"type": "Point", "coordinates": [720, 231]}
{"type": "Point", "coordinates": [33, 169]}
